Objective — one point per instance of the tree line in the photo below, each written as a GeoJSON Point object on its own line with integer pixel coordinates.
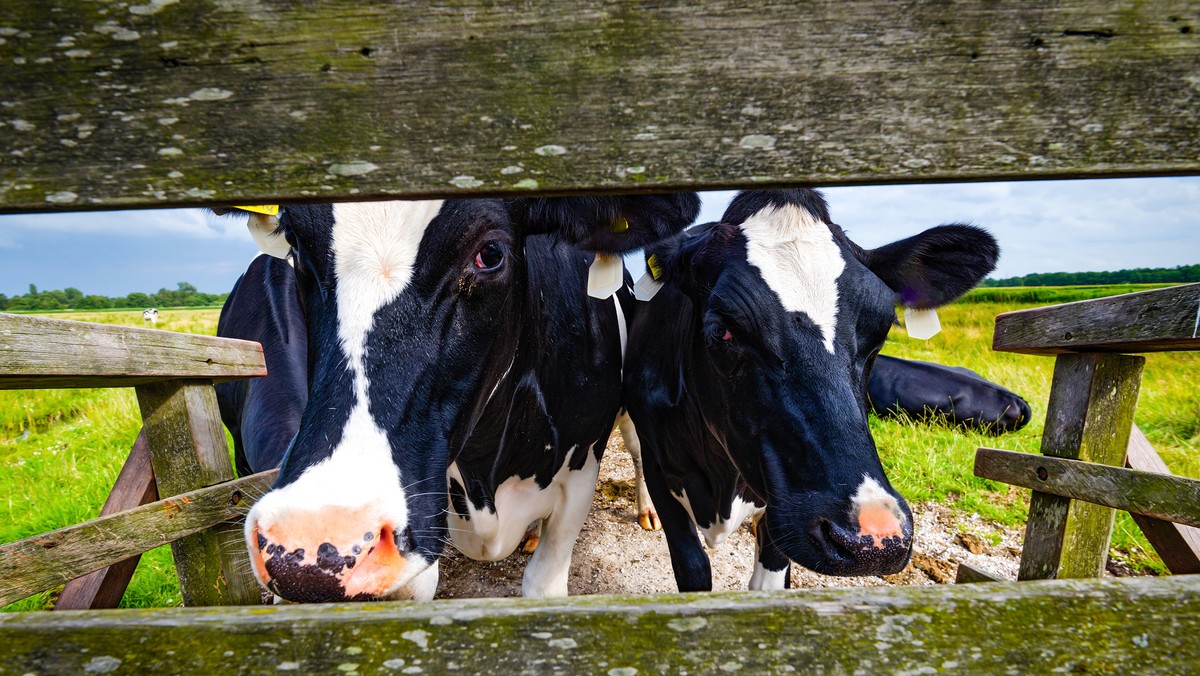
{"type": "Point", "coordinates": [1176, 275]}
{"type": "Point", "coordinates": [71, 298]}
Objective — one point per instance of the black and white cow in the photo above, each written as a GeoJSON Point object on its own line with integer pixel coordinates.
{"type": "Point", "coordinates": [746, 380]}
{"type": "Point", "coordinates": [263, 414]}
{"type": "Point", "coordinates": [150, 315]}
{"type": "Point", "coordinates": [447, 339]}
{"type": "Point", "coordinates": [923, 390]}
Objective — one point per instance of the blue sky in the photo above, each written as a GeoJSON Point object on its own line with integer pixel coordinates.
{"type": "Point", "coordinates": [1042, 226]}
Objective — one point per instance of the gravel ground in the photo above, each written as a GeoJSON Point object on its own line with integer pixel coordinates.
{"type": "Point", "coordinates": [613, 555]}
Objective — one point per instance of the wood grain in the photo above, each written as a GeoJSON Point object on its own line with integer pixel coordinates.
{"type": "Point", "coordinates": [1131, 625]}
{"type": "Point", "coordinates": [1088, 417]}
{"type": "Point", "coordinates": [1177, 545]}
{"type": "Point", "coordinates": [1169, 498]}
{"type": "Point", "coordinates": [35, 564]}
{"type": "Point", "coordinates": [134, 487]}
{"type": "Point", "coordinates": [188, 450]}
{"type": "Point", "coordinates": [1147, 321]}
{"type": "Point", "coordinates": [38, 352]}
{"type": "Point", "coordinates": [189, 103]}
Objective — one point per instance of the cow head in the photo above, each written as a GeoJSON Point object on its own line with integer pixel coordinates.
{"type": "Point", "coordinates": [413, 311]}
{"type": "Point", "coordinates": [787, 316]}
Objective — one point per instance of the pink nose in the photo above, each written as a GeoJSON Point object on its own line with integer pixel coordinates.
{"type": "Point", "coordinates": [331, 555]}
{"type": "Point", "coordinates": [879, 523]}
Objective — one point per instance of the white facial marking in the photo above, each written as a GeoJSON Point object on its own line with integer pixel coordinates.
{"type": "Point", "coordinates": [374, 247]}
{"type": "Point", "coordinates": [870, 493]}
{"type": "Point", "coordinates": [799, 260]}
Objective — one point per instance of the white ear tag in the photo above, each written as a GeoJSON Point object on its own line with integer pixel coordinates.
{"type": "Point", "coordinates": [604, 277]}
{"type": "Point", "coordinates": [262, 229]}
{"type": "Point", "coordinates": [922, 324]}
{"type": "Point", "coordinates": [645, 281]}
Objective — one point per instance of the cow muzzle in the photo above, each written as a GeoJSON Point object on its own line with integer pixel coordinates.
{"type": "Point", "coordinates": [336, 554]}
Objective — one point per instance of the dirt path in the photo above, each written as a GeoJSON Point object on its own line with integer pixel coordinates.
{"type": "Point", "coordinates": [615, 556]}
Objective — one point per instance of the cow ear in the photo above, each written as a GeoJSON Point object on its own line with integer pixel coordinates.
{"type": "Point", "coordinates": [936, 266]}
{"type": "Point", "coordinates": [264, 228]}
{"type": "Point", "coordinates": [693, 260]}
{"type": "Point", "coordinates": [612, 224]}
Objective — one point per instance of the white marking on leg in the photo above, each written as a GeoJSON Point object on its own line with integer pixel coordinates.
{"type": "Point", "coordinates": [720, 530]}
{"type": "Point", "coordinates": [799, 260]}
{"type": "Point", "coordinates": [547, 571]}
{"type": "Point", "coordinates": [764, 579]}
{"type": "Point", "coordinates": [634, 446]}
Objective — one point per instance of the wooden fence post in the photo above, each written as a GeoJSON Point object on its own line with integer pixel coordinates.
{"type": "Point", "coordinates": [1090, 414]}
{"type": "Point", "coordinates": [188, 450]}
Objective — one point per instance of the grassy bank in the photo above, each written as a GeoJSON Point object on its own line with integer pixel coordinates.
{"type": "Point", "coordinates": [60, 450]}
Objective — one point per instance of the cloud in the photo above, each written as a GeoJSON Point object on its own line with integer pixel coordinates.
{"type": "Point", "coordinates": [184, 223]}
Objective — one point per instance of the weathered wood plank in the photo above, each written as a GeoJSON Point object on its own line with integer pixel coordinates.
{"type": "Point", "coordinates": [968, 574]}
{"type": "Point", "coordinates": [34, 564]}
{"type": "Point", "coordinates": [38, 352]}
{"type": "Point", "coordinates": [217, 102]}
{"type": "Point", "coordinates": [1132, 625]}
{"type": "Point", "coordinates": [1147, 321]}
{"type": "Point", "coordinates": [1089, 415]}
{"type": "Point", "coordinates": [1177, 545]}
{"type": "Point", "coordinates": [188, 450]}
{"type": "Point", "coordinates": [134, 487]}
{"type": "Point", "coordinates": [1169, 498]}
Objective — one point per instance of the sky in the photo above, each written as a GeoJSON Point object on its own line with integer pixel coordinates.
{"type": "Point", "coordinates": [1042, 226]}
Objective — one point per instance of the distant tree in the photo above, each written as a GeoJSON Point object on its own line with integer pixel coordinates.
{"type": "Point", "coordinates": [3, 302]}
{"type": "Point", "coordinates": [137, 299]}
{"type": "Point", "coordinates": [94, 303]}
{"type": "Point", "coordinates": [186, 288]}
{"type": "Point", "coordinates": [33, 289]}
{"type": "Point", "coordinates": [73, 296]}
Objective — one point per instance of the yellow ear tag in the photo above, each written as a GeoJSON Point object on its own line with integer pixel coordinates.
{"type": "Point", "coordinates": [620, 225]}
{"type": "Point", "coordinates": [268, 209]}
{"type": "Point", "coordinates": [922, 324]}
{"type": "Point", "coordinates": [604, 277]}
{"type": "Point", "coordinates": [645, 280]}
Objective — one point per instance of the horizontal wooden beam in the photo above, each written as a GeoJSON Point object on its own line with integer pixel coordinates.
{"type": "Point", "coordinates": [38, 563]}
{"type": "Point", "coordinates": [162, 103]}
{"type": "Point", "coordinates": [1160, 320]}
{"type": "Point", "coordinates": [38, 352]}
{"type": "Point", "coordinates": [1169, 498]}
{"type": "Point", "coordinates": [1115, 626]}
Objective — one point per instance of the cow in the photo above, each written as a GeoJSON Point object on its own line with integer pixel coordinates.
{"type": "Point", "coordinates": [746, 378]}
{"type": "Point", "coordinates": [460, 384]}
{"type": "Point", "coordinates": [263, 414]}
{"type": "Point", "coordinates": [932, 392]}
{"type": "Point", "coordinates": [150, 315]}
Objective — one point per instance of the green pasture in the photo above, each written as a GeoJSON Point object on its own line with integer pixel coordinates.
{"type": "Point", "coordinates": [60, 450]}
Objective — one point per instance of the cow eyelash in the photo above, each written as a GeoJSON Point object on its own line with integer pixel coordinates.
{"type": "Point", "coordinates": [719, 334]}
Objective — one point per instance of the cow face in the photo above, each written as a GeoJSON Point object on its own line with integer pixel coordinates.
{"type": "Point", "coordinates": [788, 315]}
{"type": "Point", "coordinates": [413, 314]}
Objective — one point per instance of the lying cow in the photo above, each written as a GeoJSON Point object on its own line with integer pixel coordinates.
{"type": "Point", "coordinates": [926, 391]}
{"type": "Point", "coordinates": [447, 339]}
{"type": "Point", "coordinates": [746, 378]}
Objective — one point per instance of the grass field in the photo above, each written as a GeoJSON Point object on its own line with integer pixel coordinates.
{"type": "Point", "coordinates": [60, 450]}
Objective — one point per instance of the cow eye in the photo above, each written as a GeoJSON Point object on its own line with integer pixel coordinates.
{"type": "Point", "coordinates": [719, 334]}
{"type": "Point", "coordinates": [490, 257]}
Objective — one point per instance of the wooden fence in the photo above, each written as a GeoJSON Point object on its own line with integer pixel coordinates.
{"type": "Point", "coordinates": [201, 103]}
{"type": "Point", "coordinates": [1090, 419]}
{"type": "Point", "coordinates": [180, 456]}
